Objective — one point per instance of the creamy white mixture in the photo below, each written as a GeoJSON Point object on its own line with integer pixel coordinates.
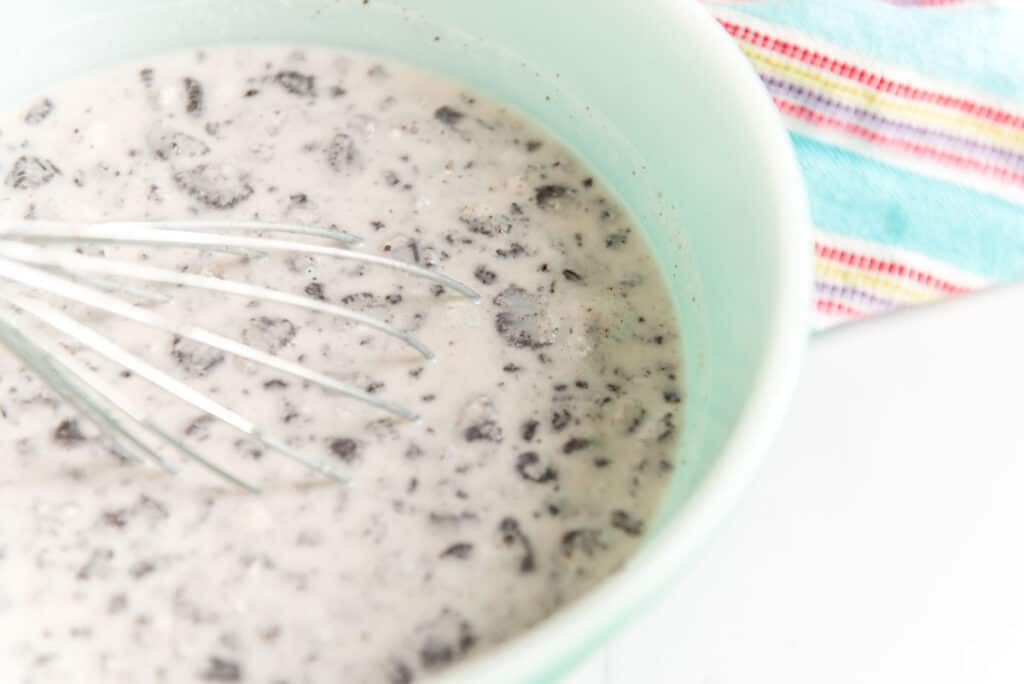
{"type": "Point", "coordinates": [548, 418]}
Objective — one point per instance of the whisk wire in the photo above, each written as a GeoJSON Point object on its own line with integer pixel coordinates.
{"type": "Point", "coordinates": [84, 279]}
{"type": "Point", "coordinates": [181, 391]}
{"type": "Point", "coordinates": [48, 369]}
{"type": "Point", "coordinates": [42, 280]}
{"type": "Point", "coordinates": [140, 296]}
{"type": "Point", "coordinates": [33, 226]}
{"type": "Point", "coordinates": [143, 234]}
{"type": "Point", "coordinates": [77, 263]}
{"type": "Point", "coordinates": [113, 398]}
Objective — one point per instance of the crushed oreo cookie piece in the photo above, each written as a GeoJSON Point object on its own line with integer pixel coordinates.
{"type": "Point", "coordinates": [449, 637]}
{"type": "Point", "coordinates": [195, 358]}
{"type": "Point", "coordinates": [617, 239]}
{"type": "Point", "coordinates": [478, 421]}
{"type": "Point", "coordinates": [576, 444]}
{"type": "Point", "coordinates": [547, 196]}
{"type": "Point", "coordinates": [171, 145]}
{"type": "Point", "coordinates": [485, 275]}
{"type": "Point", "coordinates": [529, 468]}
{"type": "Point", "coordinates": [194, 97]}
{"type": "Point", "coordinates": [520, 322]}
{"type": "Point", "coordinates": [584, 540]}
{"type": "Point", "coordinates": [399, 673]}
{"type": "Point", "coordinates": [560, 419]}
{"type": "Point", "coordinates": [485, 430]}
{"type": "Point", "coordinates": [346, 449]}
{"type": "Point", "coordinates": [512, 534]}
{"type": "Point", "coordinates": [68, 433]}
{"type": "Point", "coordinates": [29, 173]}
{"type": "Point", "coordinates": [269, 334]}
{"type": "Point", "coordinates": [460, 551]}
{"type": "Point", "coordinates": [39, 112]}
{"type": "Point", "coordinates": [621, 520]}
{"type": "Point", "coordinates": [449, 116]}
{"type": "Point", "coordinates": [513, 251]}
{"type": "Point", "coordinates": [216, 186]}
{"type": "Point", "coordinates": [296, 83]}
{"type": "Point", "coordinates": [341, 152]}
{"type": "Point", "coordinates": [221, 670]}
{"type": "Point", "coordinates": [315, 290]}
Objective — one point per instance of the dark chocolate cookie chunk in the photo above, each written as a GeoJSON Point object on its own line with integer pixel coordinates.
{"type": "Point", "coordinates": [449, 637]}
{"type": "Point", "coordinates": [485, 275]}
{"type": "Point", "coordinates": [399, 673]}
{"type": "Point", "coordinates": [39, 112]}
{"type": "Point", "coordinates": [172, 145]}
{"type": "Point", "coordinates": [216, 186]}
{"type": "Point", "coordinates": [296, 83]}
{"type": "Point", "coordinates": [221, 670]}
{"type": "Point", "coordinates": [29, 173]}
{"type": "Point", "coordinates": [269, 334]}
{"type": "Point", "coordinates": [449, 116]}
{"type": "Point", "coordinates": [346, 449]}
{"type": "Point", "coordinates": [529, 467]}
{"type": "Point", "coordinates": [584, 540]}
{"type": "Point", "coordinates": [194, 97]}
{"type": "Point", "coordinates": [621, 520]}
{"type": "Point", "coordinates": [547, 196]}
{"type": "Point", "coordinates": [195, 358]}
{"type": "Point", "coordinates": [529, 429]}
{"type": "Point", "coordinates": [68, 433]}
{"type": "Point", "coordinates": [341, 152]}
{"type": "Point", "coordinates": [460, 551]}
{"type": "Point", "coordinates": [512, 534]}
{"type": "Point", "coordinates": [520, 322]}
{"type": "Point", "coordinates": [478, 421]}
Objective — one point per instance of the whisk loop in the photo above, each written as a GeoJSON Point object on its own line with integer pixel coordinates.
{"type": "Point", "coordinates": [37, 358]}
{"type": "Point", "coordinates": [26, 261]}
{"type": "Point", "coordinates": [34, 226]}
{"type": "Point", "coordinates": [77, 264]}
{"type": "Point", "coordinates": [143, 233]}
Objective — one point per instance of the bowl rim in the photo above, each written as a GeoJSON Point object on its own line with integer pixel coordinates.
{"type": "Point", "coordinates": [544, 651]}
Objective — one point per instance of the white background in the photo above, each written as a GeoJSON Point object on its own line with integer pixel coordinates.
{"type": "Point", "coordinates": [883, 539]}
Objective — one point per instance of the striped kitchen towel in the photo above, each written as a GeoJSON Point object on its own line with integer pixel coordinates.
{"type": "Point", "coordinates": [907, 117]}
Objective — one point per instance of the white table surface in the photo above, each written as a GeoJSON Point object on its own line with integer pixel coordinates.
{"type": "Point", "coordinates": [883, 539]}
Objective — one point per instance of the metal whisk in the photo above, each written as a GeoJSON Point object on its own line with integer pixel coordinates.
{"type": "Point", "coordinates": [28, 260]}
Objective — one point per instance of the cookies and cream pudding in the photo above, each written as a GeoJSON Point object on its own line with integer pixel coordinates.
{"type": "Point", "coordinates": [548, 419]}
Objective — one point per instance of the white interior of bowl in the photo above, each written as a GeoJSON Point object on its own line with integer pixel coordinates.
{"type": "Point", "coordinates": [657, 100]}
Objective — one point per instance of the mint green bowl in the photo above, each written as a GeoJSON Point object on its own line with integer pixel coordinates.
{"type": "Point", "coordinates": [656, 98]}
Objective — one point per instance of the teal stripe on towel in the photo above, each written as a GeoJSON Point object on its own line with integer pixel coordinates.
{"type": "Point", "coordinates": [856, 196]}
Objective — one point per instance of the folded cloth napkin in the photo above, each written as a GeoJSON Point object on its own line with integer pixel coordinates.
{"type": "Point", "coordinates": [907, 117]}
